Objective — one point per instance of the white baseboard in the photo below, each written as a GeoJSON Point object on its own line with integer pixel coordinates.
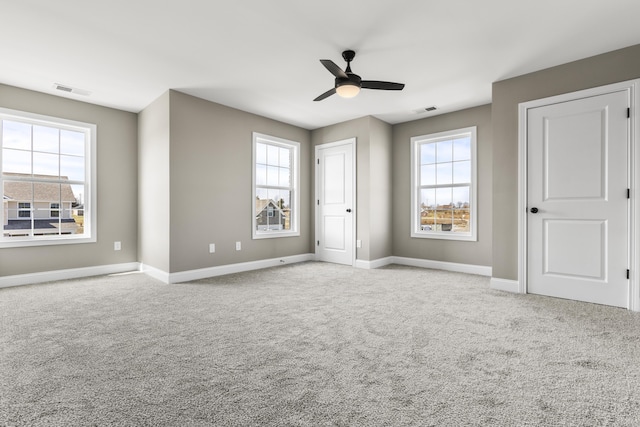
{"type": "Point", "coordinates": [72, 273]}
{"type": "Point", "coordinates": [377, 263]}
{"type": "Point", "coordinates": [504, 285]}
{"type": "Point", "coordinates": [185, 276]}
{"type": "Point", "coordinates": [156, 273]}
{"type": "Point", "coordinates": [442, 265]}
{"type": "Point", "coordinates": [203, 273]}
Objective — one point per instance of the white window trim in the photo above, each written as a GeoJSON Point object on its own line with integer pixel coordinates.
{"type": "Point", "coordinates": [295, 179]}
{"type": "Point", "coordinates": [90, 196]}
{"type": "Point", "coordinates": [416, 141]}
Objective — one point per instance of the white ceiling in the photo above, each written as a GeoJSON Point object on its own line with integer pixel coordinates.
{"type": "Point", "coordinates": [262, 56]}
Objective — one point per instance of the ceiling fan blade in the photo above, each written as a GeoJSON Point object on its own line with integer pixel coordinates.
{"type": "Point", "coordinates": [374, 84]}
{"type": "Point", "coordinates": [334, 69]}
{"type": "Point", "coordinates": [326, 94]}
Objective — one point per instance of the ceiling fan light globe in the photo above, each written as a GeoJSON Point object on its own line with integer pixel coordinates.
{"type": "Point", "coordinates": [347, 90]}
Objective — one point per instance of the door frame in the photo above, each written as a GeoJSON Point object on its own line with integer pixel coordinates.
{"type": "Point", "coordinates": [633, 165]}
{"type": "Point", "coordinates": [352, 143]}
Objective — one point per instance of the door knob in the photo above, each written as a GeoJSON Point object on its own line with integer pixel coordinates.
{"type": "Point", "coordinates": [349, 210]}
{"type": "Point", "coordinates": [533, 210]}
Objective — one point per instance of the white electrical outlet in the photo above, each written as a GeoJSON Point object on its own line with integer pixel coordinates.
{"type": "Point", "coordinates": [358, 243]}
{"type": "Point", "coordinates": [117, 246]}
{"type": "Point", "coordinates": [238, 246]}
{"type": "Point", "coordinates": [212, 248]}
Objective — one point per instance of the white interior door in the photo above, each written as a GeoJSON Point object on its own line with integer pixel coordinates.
{"type": "Point", "coordinates": [335, 202]}
{"type": "Point", "coordinates": [577, 199]}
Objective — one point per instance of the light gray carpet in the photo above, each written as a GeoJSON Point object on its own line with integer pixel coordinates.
{"type": "Point", "coordinates": [312, 344]}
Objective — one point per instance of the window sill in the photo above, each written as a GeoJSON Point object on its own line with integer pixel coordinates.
{"type": "Point", "coordinates": [443, 236]}
{"type": "Point", "coordinates": [275, 234]}
{"type": "Point", "coordinates": [44, 241]}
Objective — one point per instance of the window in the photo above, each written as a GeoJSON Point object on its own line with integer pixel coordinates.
{"type": "Point", "coordinates": [24, 210]}
{"type": "Point", "coordinates": [54, 210]}
{"type": "Point", "coordinates": [443, 196]}
{"type": "Point", "coordinates": [47, 177]}
{"type": "Point", "coordinates": [275, 187]}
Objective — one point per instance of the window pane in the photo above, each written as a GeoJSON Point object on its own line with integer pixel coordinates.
{"type": "Point", "coordinates": [285, 157]}
{"type": "Point", "coordinates": [461, 197]}
{"type": "Point", "coordinates": [462, 149]}
{"type": "Point", "coordinates": [261, 153]}
{"type": "Point", "coordinates": [46, 164]}
{"type": "Point", "coordinates": [444, 220]}
{"type": "Point", "coordinates": [461, 212]}
{"type": "Point", "coordinates": [273, 155]}
{"type": "Point", "coordinates": [428, 198]}
{"type": "Point", "coordinates": [444, 151]}
{"type": "Point", "coordinates": [428, 175]}
{"type": "Point", "coordinates": [74, 210]}
{"type": "Point", "coordinates": [46, 139]}
{"type": "Point", "coordinates": [78, 195]}
{"type": "Point", "coordinates": [279, 197]}
{"type": "Point", "coordinates": [261, 194]}
{"type": "Point", "coordinates": [283, 201]}
{"type": "Point", "coordinates": [273, 212]}
{"type": "Point", "coordinates": [462, 172]}
{"type": "Point", "coordinates": [427, 154]}
{"type": "Point", "coordinates": [261, 174]}
{"type": "Point", "coordinates": [285, 177]}
{"type": "Point", "coordinates": [426, 209]}
{"type": "Point", "coordinates": [461, 221]}
{"type": "Point", "coordinates": [272, 176]}
{"type": "Point", "coordinates": [72, 167]}
{"type": "Point", "coordinates": [17, 208]}
{"type": "Point", "coordinates": [443, 198]}
{"type": "Point", "coordinates": [444, 173]}
{"type": "Point", "coordinates": [71, 143]}
{"type": "Point", "coordinates": [16, 161]}
{"type": "Point", "coordinates": [46, 192]}
{"type": "Point", "coordinates": [16, 135]}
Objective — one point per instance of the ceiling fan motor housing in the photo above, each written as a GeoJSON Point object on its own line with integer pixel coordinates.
{"type": "Point", "coordinates": [353, 80]}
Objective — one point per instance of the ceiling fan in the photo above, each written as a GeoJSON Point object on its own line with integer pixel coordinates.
{"type": "Point", "coordinates": [348, 84]}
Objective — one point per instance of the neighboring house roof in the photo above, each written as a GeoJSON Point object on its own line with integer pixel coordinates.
{"type": "Point", "coordinates": [261, 205]}
{"type": "Point", "coordinates": [42, 192]}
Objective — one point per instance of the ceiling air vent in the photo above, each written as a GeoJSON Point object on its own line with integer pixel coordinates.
{"type": "Point", "coordinates": [425, 109]}
{"type": "Point", "coordinates": [69, 89]}
{"type": "Point", "coordinates": [64, 88]}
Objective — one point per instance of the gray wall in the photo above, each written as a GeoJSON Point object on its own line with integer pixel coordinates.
{"type": "Point", "coordinates": [117, 190]}
{"type": "Point", "coordinates": [380, 189]}
{"type": "Point", "coordinates": [612, 67]}
{"type": "Point", "coordinates": [475, 253]}
{"type": "Point", "coordinates": [373, 180]}
{"type": "Point", "coordinates": [153, 183]}
{"type": "Point", "coordinates": [210, 185]}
